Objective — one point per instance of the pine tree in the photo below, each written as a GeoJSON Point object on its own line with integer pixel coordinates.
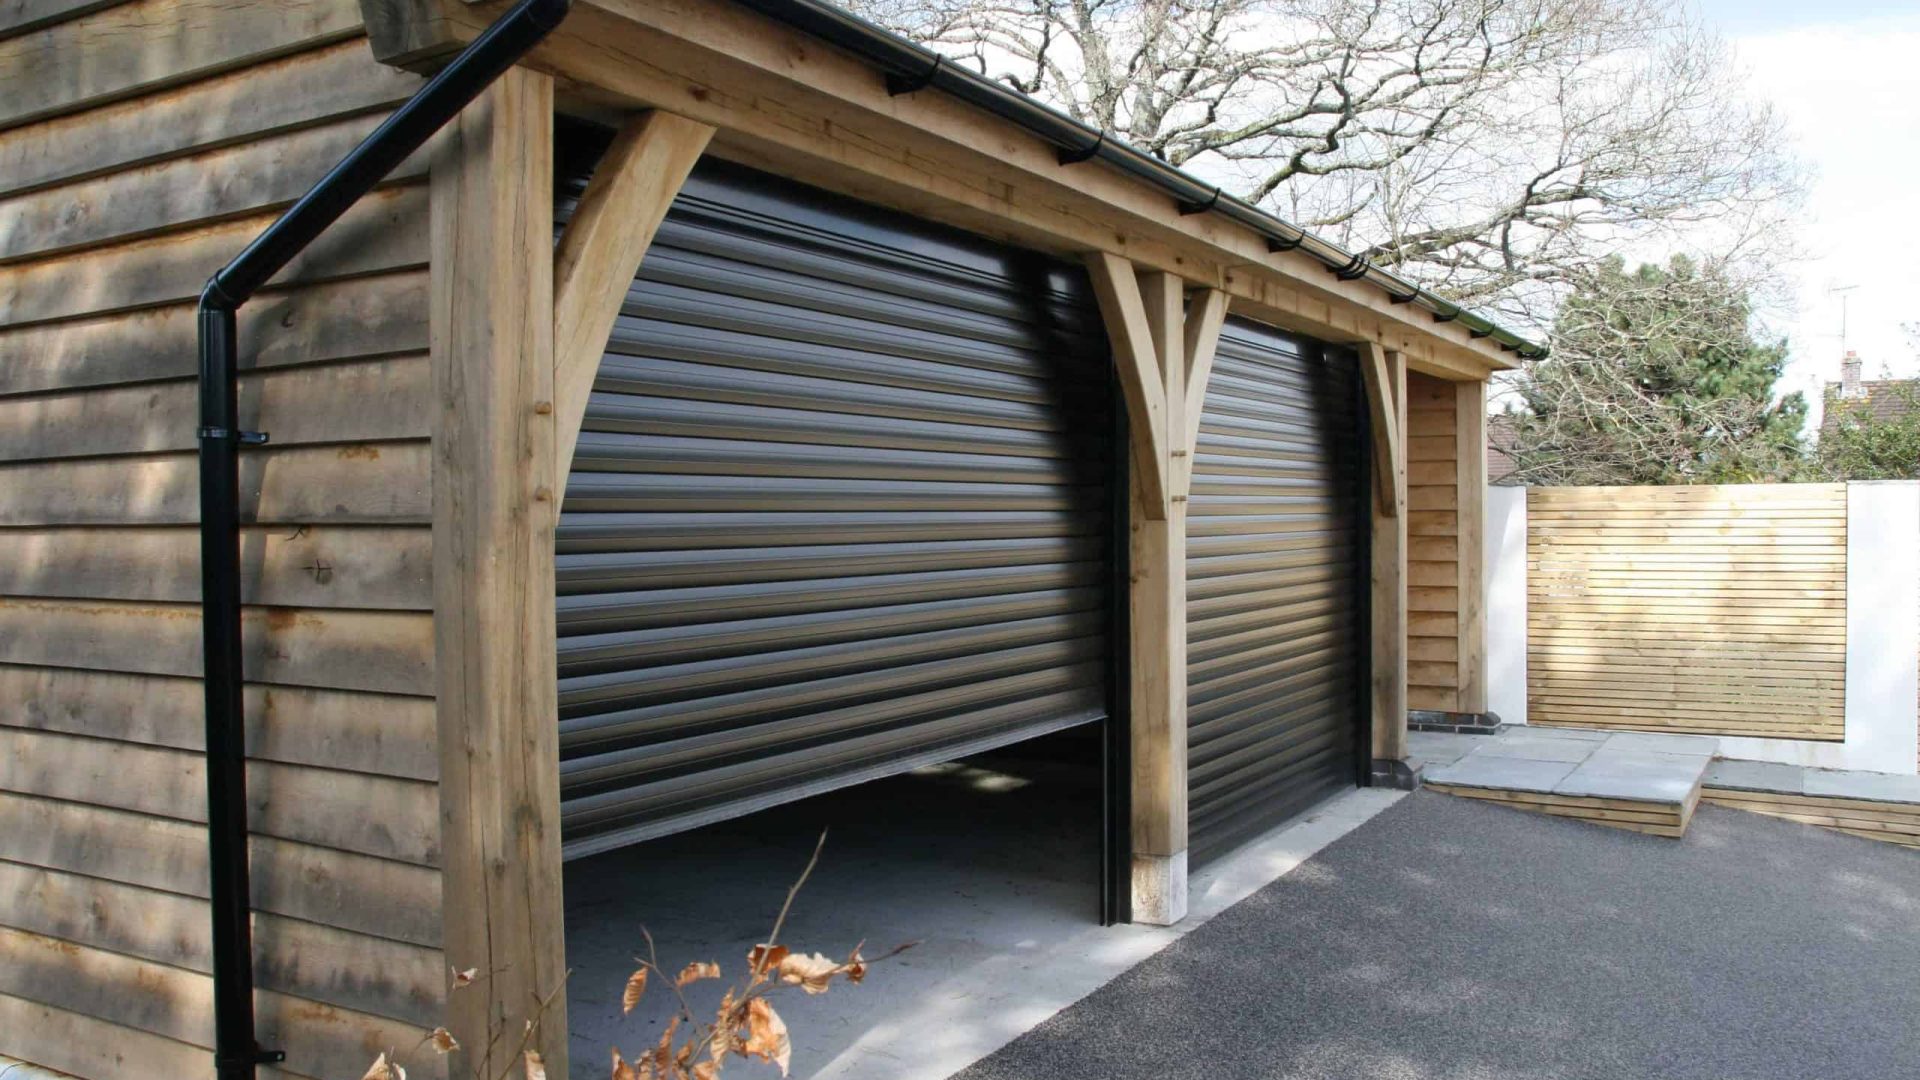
{"type": "Point", "coordinates": [1656, 378]}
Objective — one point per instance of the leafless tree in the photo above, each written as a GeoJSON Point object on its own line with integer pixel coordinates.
{"type": "Point", "coordinates": [1493, 149]}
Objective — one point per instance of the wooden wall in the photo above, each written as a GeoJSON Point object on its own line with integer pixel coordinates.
{"type": "Point", "coordinates": [1446, 473]}
{"type": "Point", "coordinates": [1713, 610]}
{"type": "Point", "coordinates": [141, 144]}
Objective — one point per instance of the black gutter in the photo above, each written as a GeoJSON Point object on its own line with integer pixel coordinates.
{"type": "Point", "coordinates": [909, 68]}
{"type": "Point", "coordinates": [236, 1049]}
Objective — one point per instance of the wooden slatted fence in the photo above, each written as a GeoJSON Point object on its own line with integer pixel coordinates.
{"type": "Point", "coordinates": [1707, 610]}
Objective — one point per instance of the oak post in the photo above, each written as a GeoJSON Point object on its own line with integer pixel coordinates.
{"type": "Point", "coordinates": [1385, 375]}
{"type": "Point", "coordinates": [494, 511]}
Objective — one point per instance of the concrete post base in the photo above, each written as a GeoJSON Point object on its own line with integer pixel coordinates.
{"type": "Point", "coordinates": [1391, 773]}
{"type": "Point", "coordinates": [1160, 889]}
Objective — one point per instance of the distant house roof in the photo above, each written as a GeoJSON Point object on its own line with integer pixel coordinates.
{"type": "Point", "coordinates": [1876, 399]}
{"type": "Point", "coordinates": [1502, 434]}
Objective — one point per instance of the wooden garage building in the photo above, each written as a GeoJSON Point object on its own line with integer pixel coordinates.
{"type": "Point", "coordinates": [920, 431]}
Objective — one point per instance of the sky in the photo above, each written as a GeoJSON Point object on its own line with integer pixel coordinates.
{"type": "Point", "coordinates": [1845, 76]}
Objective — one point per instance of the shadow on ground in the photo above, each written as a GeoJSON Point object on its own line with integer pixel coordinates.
{"type": "Point", "coordinates": [1448, 939]}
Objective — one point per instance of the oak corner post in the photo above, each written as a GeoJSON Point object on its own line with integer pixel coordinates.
{"type": "Point", "coordinates": [1385, 374]}
{"type": "Point", "coordinates": [1470, 433]}
{"type": "Point", "coordinates": [494, 513]}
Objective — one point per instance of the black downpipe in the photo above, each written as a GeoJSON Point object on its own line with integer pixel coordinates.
{"type": "Point", "coordinates": [236, 1049]}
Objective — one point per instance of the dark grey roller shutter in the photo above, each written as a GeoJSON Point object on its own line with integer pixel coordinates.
{"type": "Point", "coordinates": [840, 508]}
{"type": "Point", "coordinates": [1277, 566]}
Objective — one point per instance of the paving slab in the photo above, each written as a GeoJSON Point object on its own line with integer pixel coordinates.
{"type": "Point", "coordinates": [1571, 734]}
{"type": "Point", "coordinates": [1662, 743]}
{"type": "Point", "coordinates": [1635, 774]}
{"type": "Point", "coordinates": [1430, 748]}
{"type": "Point", "coordinates": [1523, 746]}
{"type": "Point", "coordinates": [1770, 776]}
{"type": "Point", "coordinates": [1511, 774]}
{"type": "Point", "coordinates": [1880, 787]}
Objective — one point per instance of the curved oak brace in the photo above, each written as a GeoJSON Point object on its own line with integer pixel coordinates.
{"type": "Point", "coordinates": [600, 252]}
{"type": "Point", "coordinates": [1142, 381]}
{"type": "Point", "coordinates": [1206, 314]}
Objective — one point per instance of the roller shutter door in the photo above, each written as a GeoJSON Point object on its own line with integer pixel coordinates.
{"type": "Point", "coordinates": [1277, 569]}
{"type": "Point", "coordinates": [840, 508]}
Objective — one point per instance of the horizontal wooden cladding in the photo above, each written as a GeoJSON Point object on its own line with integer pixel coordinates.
{"type": "Point", "coordinates": [378, 734]}
{"type": "Point", "coordinates": [359, 318]}
{"type": "Point", "coordinates": [352, 483]}
{"type": "Point", "coordinates": [1894, 823]}
{"type": "Point", "coordinates": [319, 963]}
{"type": "Point", "coordinates": [1710, 610]}
{"type": "Point", "coordinates": [382, 898]}
{"type": "Point", "coordinates": [1658, 819]}
{"type": "Point", "coordinates": [383, 816]}
{"type": "Point", "coordinates": [176, 1004]}
{"type": "Point", "coordinates": [378, 651]}
{"type": "Point", "coordinates": [212, 185]}
{"type": "Point", "coordinates": [387, 230]}
{"type": "Point", "coordinates": [118, 51]}
{"type": "Point", "coordinates": [386, 401]}
{"type": "Point", "coordinates": [321, 566]}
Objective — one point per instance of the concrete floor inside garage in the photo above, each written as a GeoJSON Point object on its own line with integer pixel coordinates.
{"type": "Point", "coordinates": [990, 864]}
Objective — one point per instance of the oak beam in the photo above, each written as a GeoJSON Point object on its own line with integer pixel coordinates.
{"type": "Point", "coordinates": [1385, 375]}
{"type": "Point", "coordinates": [493, 584]}
{"type": "Point", "coordinates": [601, 249]}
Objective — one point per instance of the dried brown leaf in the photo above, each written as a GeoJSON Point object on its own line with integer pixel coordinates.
{"type": "Point", "coordinates": [622, 1070]}
{"type": "Point", "coordinates": [767, 1035]}
{"type": "Point", "coordinates": [385, 1069]}
{"type": "Point", "coordinates": [694, 972]}
{"type": "Point", "coordinates": [811, 973]}
{"type": "Point", "coordinates": [662, 1056]}
{"type": "Point", "coordinates": [765, 958]}
{"type": "Point", "coordinates": [536, 1066]}
{"type": "Point", "coordinates": [464, 978]}
{"type": "Point", "coordinates": [443, 1041]}
{"type": "Point", "coordinates": [706, 1070]}
{"type": "Point", "coordinates": [636, 985]}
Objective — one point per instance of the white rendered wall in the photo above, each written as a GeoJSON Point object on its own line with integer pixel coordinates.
{"type": "Point", "coordinates": [1506, 578]}
{"type": "Point", "coordinates": [1883, 641]}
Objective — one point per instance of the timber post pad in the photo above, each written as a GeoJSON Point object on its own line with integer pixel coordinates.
{"type": "Point", "coordinates": [1390, 773]}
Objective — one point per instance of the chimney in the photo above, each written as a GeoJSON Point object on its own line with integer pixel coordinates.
{"type": "Point", "coordinates": [1850, 375]}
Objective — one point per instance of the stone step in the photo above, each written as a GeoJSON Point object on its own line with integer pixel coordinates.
{"type": "Point", "coordinates": [1647, 783]}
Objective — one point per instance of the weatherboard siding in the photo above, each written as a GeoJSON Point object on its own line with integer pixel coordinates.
{"type": "Point", "coordinates": [141, 145]}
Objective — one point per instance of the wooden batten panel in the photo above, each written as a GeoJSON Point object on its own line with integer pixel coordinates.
{"type": "Point", "coordinates": [152, 44]}
{"type": "Point", "coordinates": [374, 567]}
{"type": "Point", "coordinates": [308, 960]}
{"type": "Point", "coordinates": [380, 651]}
{"type": "Point", "coordinates": [384, 231]}
{"type": "Point", "coordinates": [373, 815]}
{"type": "Point", "coordinates": [382, 401]}
{"type": "Point", "coordinates": [379, 897]}
{"type": "Point", "coordinates": [356, 483]}
{"type": "Point", "coordinates": [178, 1004]}
{"type": "Point", "coordinates": [282, 95]}
{"type": "Point", "coordinates": [209, 186]}
{"type": "Point", "coordinates": [1679, 609]}
{"type": "Point", "coordinates": [360, 318]}
{"type": "Point", "coordinates": [378, 734]}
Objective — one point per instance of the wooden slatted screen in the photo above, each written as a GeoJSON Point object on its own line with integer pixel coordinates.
{"type": "Point", "coordinates": [1710, 610]}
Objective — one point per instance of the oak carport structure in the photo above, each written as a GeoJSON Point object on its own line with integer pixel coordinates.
{"type": "Point", "coordinates": [428, 372]}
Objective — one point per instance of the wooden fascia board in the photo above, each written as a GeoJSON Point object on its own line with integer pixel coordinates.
{"type": "Point", "coordinates": [626, 199]}
{"type": "Point", "coordinates": [787, 102]}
